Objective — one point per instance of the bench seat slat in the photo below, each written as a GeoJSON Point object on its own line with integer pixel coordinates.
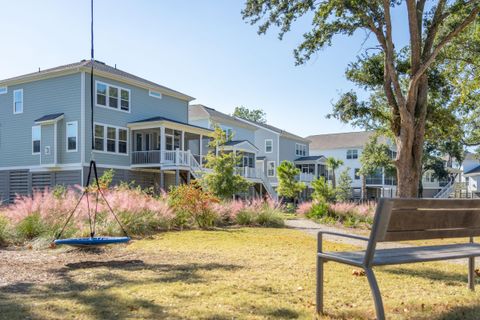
{"type": "Point", "coordinates": [435, 203]}
{"type": "Point", "coordinates": [407, 255]}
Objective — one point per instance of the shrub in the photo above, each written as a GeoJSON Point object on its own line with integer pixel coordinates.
{"type": "Point", "coordinates": [31, 226]}
{"type": "Point", "coordinates": [270, 218]}
{"type": "Point", "coordinates": [191, 204]}
{"type": "Point", "coordinates": [245, 218]}
{"type": "Point", "coordinates": [318, 210]}
{"type": "Point", "coordinates": [4, 232]}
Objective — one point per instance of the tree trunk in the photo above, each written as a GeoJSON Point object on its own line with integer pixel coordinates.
{"type": "Point", "coordinates": [410, 141]}
{"type": "Point", "coordinates": [333, 179]}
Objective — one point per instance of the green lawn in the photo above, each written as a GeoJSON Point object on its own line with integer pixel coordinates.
{"type": "Point", "coordinates": [241, 274]}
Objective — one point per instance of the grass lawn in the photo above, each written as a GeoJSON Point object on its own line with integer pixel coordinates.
{"type": "Point", "coordinates": [238, 273]}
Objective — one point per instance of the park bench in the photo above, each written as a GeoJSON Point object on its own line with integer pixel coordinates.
{"type": "Point", "coordinates": [409, 219]}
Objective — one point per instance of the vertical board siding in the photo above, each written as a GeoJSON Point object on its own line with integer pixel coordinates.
{"type": "Point", "coordinates": [4, 186]}
{"type": "Point", "coordinates": [19, 184]}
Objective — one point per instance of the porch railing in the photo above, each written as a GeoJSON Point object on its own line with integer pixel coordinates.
{"type": "Point", "coordinates": [248, 172]}
{"type": "Point", "coordinates": [165, 157]}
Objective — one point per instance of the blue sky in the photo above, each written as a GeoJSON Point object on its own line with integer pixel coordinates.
{"type": "Point", "coordinates": [201, 48]}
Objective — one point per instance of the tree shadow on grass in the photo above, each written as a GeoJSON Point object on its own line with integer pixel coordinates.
{"type": "Point", "coordinates": [461, 313]}
{"type": "Point", "coordinates": [449, 278]}
{"type": "Point", "coordinates": [89, 291]}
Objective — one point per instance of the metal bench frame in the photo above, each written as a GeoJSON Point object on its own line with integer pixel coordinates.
{"type": "Point", "coordinates": [395, 220]}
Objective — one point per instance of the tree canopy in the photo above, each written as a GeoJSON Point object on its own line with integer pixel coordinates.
{"type": "Point", "coordinates": [288, 186]}
{"type": "Point", "coordinates": [255, 115]}
{"type": "Point", "coordinates": [400, 79]}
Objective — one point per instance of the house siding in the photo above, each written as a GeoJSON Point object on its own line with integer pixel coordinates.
{"type": "Point", "coordinates": [48, 96]}
{"type": "Point", "coordinates": [288, 147]}
{"type": "Point", "coordinates": [260, 136]}
{"type": "Point", "coordinates": [142, 107]}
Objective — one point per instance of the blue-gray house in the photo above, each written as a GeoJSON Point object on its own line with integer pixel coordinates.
{"type": "Point", "coordinates": [141, 130]}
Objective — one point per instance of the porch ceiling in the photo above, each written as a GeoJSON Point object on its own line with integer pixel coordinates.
{"type": "Point", "coordinates": [157, 122]}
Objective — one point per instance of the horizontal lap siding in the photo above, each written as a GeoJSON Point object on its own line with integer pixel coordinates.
{"type": "Point", "coordinates": [142, 107]}
{"type": "Point", "coordinates": [54, 95]}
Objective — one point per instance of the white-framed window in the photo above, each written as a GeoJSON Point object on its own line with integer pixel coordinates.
{"type": "Point", "coordinates": [268, 145]}
{"type": "Point", "coordinates": [72, 136]}
{"type": "Point", "coordinates": [112, 97]}
{"type": "Point", "coordinates": [352, 154]}
{"type": "Point", "coordinates": [428, 177]}
{"type": "Point", "coordinates": [111, 139]}
{"type": "Point", "coordinates": [271, 169]}
{"type": "Point", "coordinates": [300, 149]}
{"type": "Point", "coordinates": [36, 139]}
{"type": "Point", "coordinates": [155, 94]}
{"type": "Point", "coordinates": [18, 101]}
{"type": "Point", "coordinates": [3, 90]}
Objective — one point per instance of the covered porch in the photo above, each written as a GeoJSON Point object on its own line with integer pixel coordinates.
{"type": "Point", "coordinates": [160, 142]}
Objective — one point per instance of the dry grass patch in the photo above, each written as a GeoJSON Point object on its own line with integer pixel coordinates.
{"type": "Point", "coordinates": [241, 274]}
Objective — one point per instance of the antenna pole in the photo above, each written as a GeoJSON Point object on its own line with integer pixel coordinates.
{"type": "Point", "coordinates": [92, 61]}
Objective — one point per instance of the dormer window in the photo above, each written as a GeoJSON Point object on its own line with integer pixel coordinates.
{"type": "Point", "coordinates": [113, 97]}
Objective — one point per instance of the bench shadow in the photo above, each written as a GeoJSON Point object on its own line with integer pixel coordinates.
{"type": "Point", "coordinates": [431, 274]}
{"type": "Point", "coordinates": [91, 294]}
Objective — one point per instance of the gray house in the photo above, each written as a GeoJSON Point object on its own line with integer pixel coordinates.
{"type": "Point", "coordinates": [141, 130]}
{"type": "Point", "coordinates": [269, 144]}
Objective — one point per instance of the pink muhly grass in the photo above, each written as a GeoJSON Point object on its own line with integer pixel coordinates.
{"type": "Point", "coordinates": [304, 208]}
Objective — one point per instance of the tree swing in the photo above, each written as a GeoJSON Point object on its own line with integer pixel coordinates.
{"type": "Point", "coordinates": [91, 241]}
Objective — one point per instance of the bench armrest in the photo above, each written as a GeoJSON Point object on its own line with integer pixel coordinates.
{"type": "Point", "coordinates": [338, 234]}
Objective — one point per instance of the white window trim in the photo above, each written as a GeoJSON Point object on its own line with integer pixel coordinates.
{"type": "Point", "coordinates": [271, 141]}
{"type": "Point", "coordinates": [300, 149]}
{"type": "Point", "coordinates": [352, 152]}
{"type": "Point", "coordinates": [155, 94]}
{"type": "Point", "coordinates": [76, 136]}
{"type": "Point", "coordinates": [274, 169]}
{"type": "Point", "coordinates": [31, 142]}
{"type": "Point", "coordinates": [23, 102]}
{"type": "Point", "coordinates": [3, 90]}
{"type": "Point", "coordinates": [104, 125]}
{"type": "Point", "coordinates": [107, 97]}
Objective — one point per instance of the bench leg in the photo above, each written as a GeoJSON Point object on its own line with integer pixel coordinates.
{"type": "Point", "coordinates": [377, 298]}
{"type": "Point", "coordinates": [471, 273]}
{"type": "Point", "coordinates": [320, 263]}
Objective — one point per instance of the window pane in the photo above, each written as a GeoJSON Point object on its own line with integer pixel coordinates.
{"type": "Point", "coordinates": [122, 147]}
{"type": "Point", "coordinates": [98, 131]}
{"type": "Point", "coordinates": [101, 94]}
{"type": "Point", "coordinates": [36, 133]}
{"type": "Point", "coordinates": [36, 146]}
{"type": "Point", "coordinates": [111, 133]}
{"type": "Point", "coordinates": [113, 97]}
{"type": "Point", "coordinates": [72, 143]}
{"type": "Point", "coordinates": [122, 135]}
{"type": "Point", "coordinates": [111, 145]}
{"type": "Point", "coordinates": [99, 144]}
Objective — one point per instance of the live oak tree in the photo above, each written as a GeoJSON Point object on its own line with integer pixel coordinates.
{"type": "Point", "coordinates": [255, 115]}
{"type": "Point", "coordinates": [431, 27]}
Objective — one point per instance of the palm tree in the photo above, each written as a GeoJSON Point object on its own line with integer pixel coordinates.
{"type": "Point", "coordinates": [333, 164]}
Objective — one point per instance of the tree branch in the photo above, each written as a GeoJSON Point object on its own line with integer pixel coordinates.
{"type": "Point", "coordinates": [437, 20]}
{"type": "Point", "coordinates": [471, 17]}
{"type": "Point", "coordinates": [415, 35]}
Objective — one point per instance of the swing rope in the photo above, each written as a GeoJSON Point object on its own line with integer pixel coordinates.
{"type": "Point", "coordinates": [93, 165]}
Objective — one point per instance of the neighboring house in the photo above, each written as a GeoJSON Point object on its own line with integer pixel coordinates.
{"type": "Point", "coordinates": [269, 144]}
{"type": "Point", "coordinates": [348, 147]}
{"type": "Point", "coordinates": [141, 130]}
{"type": "Point", "coordinates": [242, 139]}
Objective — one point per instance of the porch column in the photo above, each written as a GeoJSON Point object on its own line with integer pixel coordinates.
{"type": "Point", "coordinates": [177, 177]}
{"type": "Point", "coordinates": [188, 177]}
{"type": "Point", "coordinates": [183, 141]}
{"type": "Point", "coordinates": [316, 170]}
{"type": "Point", "coordinates": [162, 144]}
{"type": "Point", "coordinates": [162, 180]}
{"type": "Point", "coordinates": [201, 151]}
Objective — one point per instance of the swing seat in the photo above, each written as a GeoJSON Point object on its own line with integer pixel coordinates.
{"type": "Point", "coordinates": [92, 242]}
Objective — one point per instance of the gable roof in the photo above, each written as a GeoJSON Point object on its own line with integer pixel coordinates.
{"type": "Point", "coordinates": [283, 133]}
{"type": "Point", "coordinates": [340, 140]}
{"type": "Point", "coordinates": [233, 143]}
{"type": "Point", "coordinates": [102, 69]}
{"type": "Point", "coordinates": [202, 111]}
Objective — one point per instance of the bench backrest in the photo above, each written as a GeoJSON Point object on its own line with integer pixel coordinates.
{"type": "Point", "coordinates": [418, 219]}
